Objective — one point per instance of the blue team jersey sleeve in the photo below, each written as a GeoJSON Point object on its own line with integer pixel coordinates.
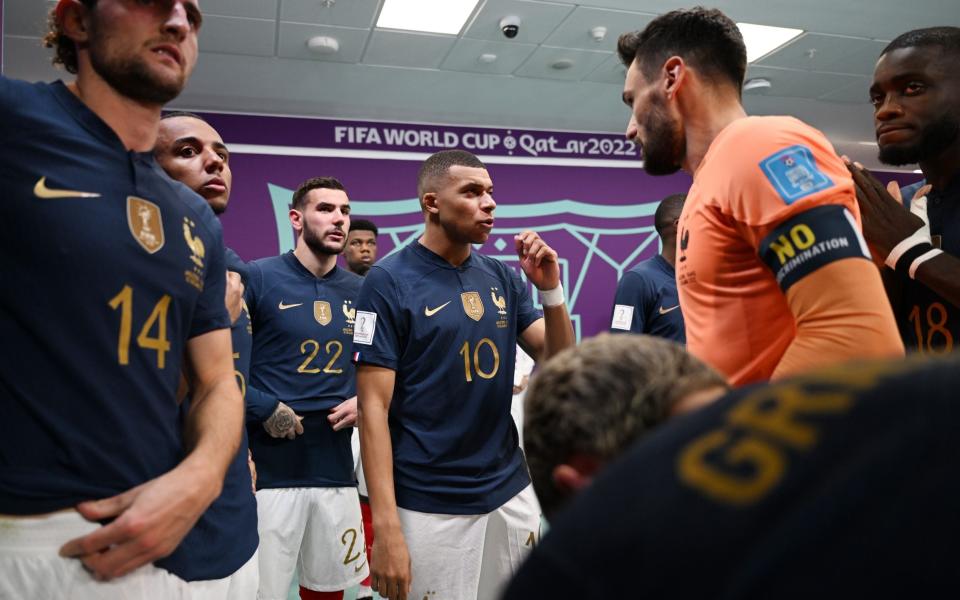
{"type": "Point", "coordinates": [526, 313]}
{"type": "Point", "coordinates": [380, 324]}
{"type": "Point", "coordinates": [259, 404]}
{"type": "Point", "coordinates": [635, 292]}
{"type": "Point", "coordinates": [236, 264]}
{"type": "Point", "coordinates": [211, 310]}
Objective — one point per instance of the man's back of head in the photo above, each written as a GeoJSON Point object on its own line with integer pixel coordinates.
{"type": "Point", "coordinates": [590, 402]}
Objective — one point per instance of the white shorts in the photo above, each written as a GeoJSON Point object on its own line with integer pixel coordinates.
{"type": "Point", "coordinates": [242, 585]}
{"type": "Point", "coordinates": [357, 463]}
{"type": "Point", "coordinates": [467, 557]}
{"type": "Point", "coordinates": [317, 531]}
{"type": "Point", "coordinates": [30, 567]}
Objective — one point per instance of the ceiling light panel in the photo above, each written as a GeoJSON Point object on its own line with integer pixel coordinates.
{"type": "Point", "coordinates": [764, 39]}
{"type": "Point", "coordinates": [428, 16]}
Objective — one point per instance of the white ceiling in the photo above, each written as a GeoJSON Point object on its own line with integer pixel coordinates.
{"type": "Point", "coordinates": [254, 58]}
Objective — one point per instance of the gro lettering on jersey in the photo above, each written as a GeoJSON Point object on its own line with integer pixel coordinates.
{"type": "Point", "coordinates": [450, 334]}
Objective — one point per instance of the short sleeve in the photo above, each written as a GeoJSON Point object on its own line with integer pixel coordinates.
{"type": "Point", "coordinates": [630, 305]}
{"type": "Point", "coordinates": [781, 168]}
{"type": "Point", "coordinates": [236, 264]}
{"type": "Point", "coordinates": [210, 312]}
{"type": "Point", "coordinates": [379, 328]}
{"type": "Point", "coordinates": [526, 313]}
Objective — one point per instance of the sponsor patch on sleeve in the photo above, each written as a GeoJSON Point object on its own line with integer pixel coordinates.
{"type": "Point", "coordinates": [793, 172]}
{"type": "Point", "coordinates": [622, 317]}
{"type": "Point", "coordinates": [810, 240]}
{"type": "Point", "coordinates": [365, 327]}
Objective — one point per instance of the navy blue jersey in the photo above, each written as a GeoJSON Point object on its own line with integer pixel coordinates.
{"type": "Point", "coordinates": [647, 302]}
{"type": "Point", "coordinates": [841, 485]}
{"type": "Point", "coordinates": [225, 536]}
{"type": "Point", "coordinates": [302, 328]}
{"type": "Point", "coordinates": [928, 322]}
{"type": "Point", "coordinates": [450, 333]}
{"type": "Point", "coordinates": [109, 267]}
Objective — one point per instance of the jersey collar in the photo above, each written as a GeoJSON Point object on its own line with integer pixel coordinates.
{"type": "Point", "coordinates": [435, 259]}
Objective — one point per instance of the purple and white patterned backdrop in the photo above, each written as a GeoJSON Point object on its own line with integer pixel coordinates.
{"type": "Point", "coordinates": [586, 194]}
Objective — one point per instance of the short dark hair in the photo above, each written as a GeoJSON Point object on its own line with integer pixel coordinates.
{"type": "Point", "coordinates": [363, 225]}
{"type": "Point", "coordinates": [65, 49]}
{"type": "Point", "coordinates": [597, 398]}
{"type": "Point", "coordinates": [667, 212]}
{"type": "Point", "coordinates": [314, 183]}
{"type": "Point", "coordinates": [705, 38]}
{"type": "Point", "coordinates": [945, 37]}
{"type": "Point", "coordinates": [438, 164]}
{"type": "Point", "coordinates": [176, 114]}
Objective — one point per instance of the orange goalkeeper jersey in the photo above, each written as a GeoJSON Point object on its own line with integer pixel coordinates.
{"type": "Point", "coordinates": [771, 202]}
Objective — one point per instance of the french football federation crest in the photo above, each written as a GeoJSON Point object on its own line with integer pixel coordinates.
{"type": "Point", "coordinates": [322, 312]}
{"type": "Point", "coordinates": [197, 250]}
{"type": "Point", "coordinates": [472, 305]}
{"type": "Point", "coordinates": [499, 301]}
{"type": "Point", "coordinates": [349, 313]}
{"type": "Point", "coordinates": [146, 223]}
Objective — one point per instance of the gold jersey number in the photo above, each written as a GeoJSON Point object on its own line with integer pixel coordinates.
{"type": "Point", "coordinates": [333, 350]}
{"type": "Point", "coordinates": [471, 367]}
{"type": "Point", "coordinates": [158, 318]}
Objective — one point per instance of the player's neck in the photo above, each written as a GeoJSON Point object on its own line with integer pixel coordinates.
{"type": "Point", "coordinates": [135, 123]}
{"type": "Point", "coordinates": [436, 241]}
{"type": "Point", "coordinates": [669, 252]}
{"type": "Point", "coordinates": [318, 264]}
{"type": "Point", "coordinates": [944, 168]}
{"type": "Point", "coordinates": [705, 120]}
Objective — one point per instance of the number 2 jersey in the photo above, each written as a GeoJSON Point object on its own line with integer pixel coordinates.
{"type": "Point", "coordinates": [450, 334]}
{"type": "Point", "coordinates": [108, 268]}
{"type": "Point", "coordinates": [302, 328]}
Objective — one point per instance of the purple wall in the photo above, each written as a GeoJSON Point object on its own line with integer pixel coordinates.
{"type": "Point", "coordinates": [585, 193]}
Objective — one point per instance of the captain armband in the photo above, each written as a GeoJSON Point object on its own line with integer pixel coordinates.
{"type": "Point", "coordinates": [810, 240]}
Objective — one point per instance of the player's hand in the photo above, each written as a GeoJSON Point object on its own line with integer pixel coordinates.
{"type": "Point", "coordinates": [344, 414]}
{"type": "Point", "coordinates": [284, 423]}
{"type": "Point", "coordinates": [538, 260]}
{"type": "Point", "coordinates": [151, 520]}
{"type": "Point", "coordinates": [234, 296]}
{"type": "Point", "coordinates": [253, 470]}
{"type": "Point", "coordinates": [886, 222]}
{"type": "Point", "coordinates": [390, 566]}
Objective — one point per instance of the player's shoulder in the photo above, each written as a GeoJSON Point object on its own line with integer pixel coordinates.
{"type": "Point", "coordinates": [760, 170]}
{"type": "Point", "coordinates": [349, 279]}
{"type": "Point", "coordinates": [493, 267]}
{"type": "Point", "coordinates": [22, 102]}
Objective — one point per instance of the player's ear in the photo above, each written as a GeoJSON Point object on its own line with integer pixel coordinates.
{"type": "Point", "coordinates": [296, 219]}
{"type": "Point", "coordinates": [569, 480]}
{"type": "Point", "coordinates": [429, 203]}
{"type": "Point", "coordinates": [674, 73]}
{"type": "Point", "coordinates": [74, 17]}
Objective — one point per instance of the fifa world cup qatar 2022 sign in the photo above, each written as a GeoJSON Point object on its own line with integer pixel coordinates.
{"type": "Point", "coordinates": [585, 193]}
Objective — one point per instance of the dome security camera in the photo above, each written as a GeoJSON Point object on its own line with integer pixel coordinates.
{"type": "Point", "coordinates": [510, 26]}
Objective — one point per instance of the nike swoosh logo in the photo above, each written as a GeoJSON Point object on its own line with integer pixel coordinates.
{"type": "Point", "coordinates": [663, 312]}
{"type": "Point", "coordinates": [430, 312]}
{"type": "Point", "coordinates": [42, 191]}
{"type": "Point", "coordinates": [283, 306]}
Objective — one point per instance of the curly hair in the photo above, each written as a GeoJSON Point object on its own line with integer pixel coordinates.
{"type": "Point", "coordinates": [599, 397]}
{"type": "Point", "coordinates": [65, 49]}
